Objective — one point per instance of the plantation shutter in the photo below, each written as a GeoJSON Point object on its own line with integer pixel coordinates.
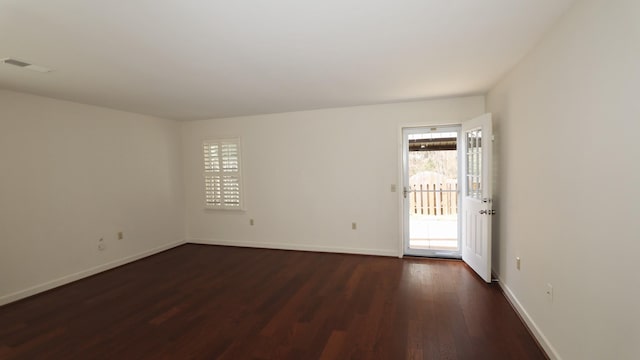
{"type": "Point", "coordinates": [222, 174]}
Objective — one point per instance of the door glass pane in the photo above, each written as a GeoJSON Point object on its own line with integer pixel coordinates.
{"type": "Point", "coordinates": [433, 200]}
{"type": "Point", "coordinates": [474, 163]}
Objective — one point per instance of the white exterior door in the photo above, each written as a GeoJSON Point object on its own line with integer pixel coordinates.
{"type": "Point", "coordinates": [477, 138]}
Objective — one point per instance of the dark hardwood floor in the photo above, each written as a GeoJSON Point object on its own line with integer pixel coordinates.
{"type": "Point", "coordinates": [212, 302]}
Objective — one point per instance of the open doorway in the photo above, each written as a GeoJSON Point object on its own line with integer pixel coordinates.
{"type": "Point", "coordinates": [431, 191]}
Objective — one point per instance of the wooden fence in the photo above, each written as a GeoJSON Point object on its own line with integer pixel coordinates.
{"type": "Point", "coordinates": [434, 199]}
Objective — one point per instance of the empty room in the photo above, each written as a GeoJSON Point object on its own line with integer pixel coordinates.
{"type": "Point", "coordinates": [337, 179]}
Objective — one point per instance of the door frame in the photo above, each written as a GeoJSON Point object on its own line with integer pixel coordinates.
{"type": "Point", "coordinates": [403, 164]}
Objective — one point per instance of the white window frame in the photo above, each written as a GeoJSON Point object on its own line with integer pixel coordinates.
{"type": "Point", "coordinates": [220, 169]}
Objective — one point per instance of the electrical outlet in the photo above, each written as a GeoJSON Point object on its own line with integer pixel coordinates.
{"type": "Point", "coordinates": [101, 245]}
{"type": "Point", "coordinates": [120, 235]}
{"type": "Point", "coordinates": [354, 226]}
{"type": "Point", "coordinates": [518, 263]}
{"type": "Point", "coordinates": [549, 292]}
{"type": "Point", "coordinates": [251, 222]}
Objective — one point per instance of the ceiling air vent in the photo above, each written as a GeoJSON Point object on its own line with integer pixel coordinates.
{"type": "Point", "coordinates": [25, 65]}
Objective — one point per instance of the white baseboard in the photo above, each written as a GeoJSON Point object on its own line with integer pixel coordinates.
{"type": "Point", "coordinates": [299, 247]}
{"type": "Point", "coordinates": [82, 274]}
{"type": "Point", "coordinates": [533, 327]}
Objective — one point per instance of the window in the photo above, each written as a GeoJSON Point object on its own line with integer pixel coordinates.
{"type": "Point", "coordinates": [222, 174]}
{"type": "Point", "coordinates": [474, 163]}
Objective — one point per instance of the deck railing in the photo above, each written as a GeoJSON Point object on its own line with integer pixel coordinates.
{"type": "Point", "coordinates": [434, 199]}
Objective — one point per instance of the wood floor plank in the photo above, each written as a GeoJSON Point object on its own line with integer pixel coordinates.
{"type": "Point", "coordinates": [214, 302]}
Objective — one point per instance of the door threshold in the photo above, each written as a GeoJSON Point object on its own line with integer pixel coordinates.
{"type": "Point", "coordinates": [434, 256]}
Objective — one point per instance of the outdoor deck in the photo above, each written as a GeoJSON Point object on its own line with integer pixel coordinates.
{"type": "Point", "coordinates": [433, 232]}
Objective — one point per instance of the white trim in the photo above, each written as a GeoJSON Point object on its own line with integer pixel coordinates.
{"type": "Point", "coordinates": [533, 327]}
{"type": "Point", "coordinates": [21, 294]}
{"type": "Point", "coordinates": [400, 189]}
{"type": "Point", "coordinates": [298, 247]}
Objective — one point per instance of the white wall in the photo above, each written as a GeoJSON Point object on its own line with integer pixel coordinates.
{"type": "Point", "coordinates": [568, 120]}
{"type": "Point", "coordinates": [310, 174]}
{"type": "Point", "coordinates": [71, 174]}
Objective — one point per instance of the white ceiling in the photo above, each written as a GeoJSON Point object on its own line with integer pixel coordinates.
{"type": "Point", "coordinates": [198, 59]}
